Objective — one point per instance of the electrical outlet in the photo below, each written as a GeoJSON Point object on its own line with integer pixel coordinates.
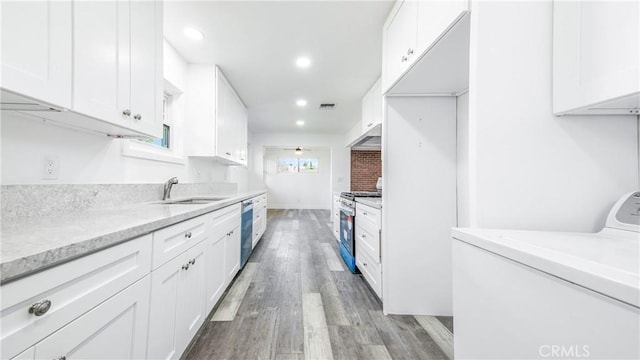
{"type": "Point", "coordinates": [50, 167]}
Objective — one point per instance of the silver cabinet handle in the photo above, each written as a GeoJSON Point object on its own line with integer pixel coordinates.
{"type": "Point", "coordinates": [364, 213]}
{"type": "Point", "coordinates": [410, 51]}
{"type": "Point", "coordinates": [363, 236]}
{"type": "Point", "coordinates": [40, 308]}
{"type": "Point", "coordinates": [126, 112]}
{"type": "Point", "coordinates": [187, 234]}
{"type": "Point", "coordinates": [231, 232]}
{"type": "Point", "coordinates": [404, 58]}
{"type": "Point", "coordinates": [185, 266]}
{"type": "Point", "coordinates": [61, 358]}
{"type": "Point", "coordinates": [365, 264]}
{"type": "Point", "coordinates": [228, 153]}
{"type": "Point", "coordinates": [137, 117]}
{"type": "Point", "coordinates": [192, 261]}
{"type": "Point", "coordinates": [369, 124]}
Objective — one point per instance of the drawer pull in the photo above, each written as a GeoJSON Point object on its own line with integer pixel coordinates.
{"type": "Point", "coordinates": [192, 261]}
{"type": "Point", "coordinates": [40, 308]}
{"type": "Point", "coordinates": [364, 213]}
{"type": "Point", "coordinates": [363, 236]}
{"type": "Point", "coordinates": [364, 263]}
{"type": "Point", "coordinates": [185, 266]}
{"type": "Point", "coordinates": [188, 235]}
{"type": "Point", "coordinates": [61, 358]}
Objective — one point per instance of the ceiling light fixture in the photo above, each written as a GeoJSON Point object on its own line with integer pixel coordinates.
{"type": "Point", "coordinates": [300, 122]}
{"type": "Point", "coordinates": [193, 34]}
{"type": "Point", "coordinates": [298, 150]}
{"type": "Point", "coordinates": [303, 62]}
{"type": "Point", "coordinates": [301, 102]}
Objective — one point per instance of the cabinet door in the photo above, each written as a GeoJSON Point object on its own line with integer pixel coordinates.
{"type": "Point", "coordinates": [224, 109]}
{"type": "Point", "coordinates": [372, 107]}
{"type": "Point", "coordinates": [190, 296]}
{"type": "Point", "coordinates": [101, 60]}
{"type": "Point", "coordinates": [177, 304]}
{"type": "Point", "coordinates": [115, 329]}
{"type": "Point", "coordinates": [232, 257]}
{"type": "Point", "coordinates": [400, 41]}
{"type": "Point", "coordinates": [36, 49]}
{"type": "Point", "coordinates": [596, 56]}
{"type": "Point", "coordinates": [434, 17]}
{"type": "Point", "coordinates": [146, 67]}
{"type": "Point", "coordinates": [215, 273]}
{"type": "Point", "coordinates": [241, 134]}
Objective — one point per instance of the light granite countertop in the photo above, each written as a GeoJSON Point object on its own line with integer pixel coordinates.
{"type": "Point", "coordinates": [34, 244]}
{"type": "Point", "coordinates": [371, 201]}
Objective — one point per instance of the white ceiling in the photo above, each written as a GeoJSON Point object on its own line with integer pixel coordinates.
{"type": "Point", "coordinates": [256, 45]}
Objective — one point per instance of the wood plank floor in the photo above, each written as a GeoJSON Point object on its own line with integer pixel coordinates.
{"type": "Point", "coordinates": [296, 299]}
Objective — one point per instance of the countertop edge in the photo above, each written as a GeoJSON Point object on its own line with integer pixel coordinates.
{"type": "Point", "coordinates": [18, 268]}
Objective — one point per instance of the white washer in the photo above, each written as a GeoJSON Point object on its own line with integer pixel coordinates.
{"type": "Point", "coordinates": [534, 294]}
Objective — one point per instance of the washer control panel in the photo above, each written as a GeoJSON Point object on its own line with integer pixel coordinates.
{"type": "Point", "coordinates": [625, 214]}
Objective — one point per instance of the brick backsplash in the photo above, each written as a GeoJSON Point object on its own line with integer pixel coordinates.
{"type": "Point", "coordinates": [366, 168]}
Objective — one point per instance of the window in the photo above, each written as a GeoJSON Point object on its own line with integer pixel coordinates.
{"type": "Point", "coordinates": [167, 148]}
{"type": "Point", "coordinates": [297, 165]}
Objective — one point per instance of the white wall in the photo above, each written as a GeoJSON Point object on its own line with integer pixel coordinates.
{"type": "Point", "coordinates": [298, 190]}
{"type": "Point", "coordinates": [527, 168]}
{"type": "Point", "coordinates": [90, 158]}
{"type": "Point", "coordinates": [340, 156]}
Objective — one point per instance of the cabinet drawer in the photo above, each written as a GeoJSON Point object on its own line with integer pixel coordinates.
{"type": "Point", "coordinates": [174, 240]}
{"type": "Point", "coordinates": [368, 215]}
{"type": "Point", "coordinates": [116, 329]}
{"type": "Point", "coordinates": [371, 270]}
{"type": "Point", "coordinates": [225, 220]}
{"type": "Point", "coordinates": [258, 214]}
{"type": "Point", "coordinates": [369, 241]}
{"type": "Point", "coordinates": [72, 288]}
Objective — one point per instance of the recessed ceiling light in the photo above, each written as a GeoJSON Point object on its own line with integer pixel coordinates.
{"type": "Point", "coordinates": [303, 62]}
{"type": "Point", "coordinates": [301, 102]}
{"type": "Point", "coordinates": [193, 34]}
{"type": "Point", "coordinates": [299, 122]}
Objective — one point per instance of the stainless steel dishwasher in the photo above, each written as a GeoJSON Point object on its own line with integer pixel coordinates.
{"type": "Point", "coordinates": [246, 232]}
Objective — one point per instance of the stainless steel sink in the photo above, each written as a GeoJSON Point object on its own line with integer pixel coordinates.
{"type": "Point", "coordinates": [193, 201]}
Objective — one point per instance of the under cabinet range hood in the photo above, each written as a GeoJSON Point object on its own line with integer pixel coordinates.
{"type": "Point", "coordinates": [370, 140]}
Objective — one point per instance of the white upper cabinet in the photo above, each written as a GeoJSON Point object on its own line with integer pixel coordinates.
{"type": "Point", "coordinates": [217, 115]}
{"type": "Point", "coordinates": [434, 17]}
{"type": "Point", "coordinates": [117, 63]}
{"type": "Point", "coordinates": [426, 48]}
{"type": "Point", "coordinates": [400, 40]}
{"type": "Point", "coordinates": [372, 107]}
{"type": "Point", "coordinates": [596, 57]}
{"type": "Point", "coordinates": [36, 50]}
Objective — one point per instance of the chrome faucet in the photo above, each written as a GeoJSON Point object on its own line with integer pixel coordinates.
{"type": "Point", "coordinates": [167, 188]}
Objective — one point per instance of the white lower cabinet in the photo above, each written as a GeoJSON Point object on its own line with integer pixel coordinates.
{"type": "Point", "coordinates": [368, 255]}
{"type": "Point", "coordinates": [232, 254]}
{"type": "Point", "coordinates": [177, 304]}
{"type": "Point", "coordinates": [335, 216]}
{"type": "Point", "coordinates": [115, 329]}
{"type": "Point", "coordinates": [259, 218]}
{"type": "Point", "coordinates": [113, 304]}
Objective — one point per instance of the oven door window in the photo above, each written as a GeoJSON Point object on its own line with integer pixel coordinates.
{"type": "Point", "coordinates": [346, 229]}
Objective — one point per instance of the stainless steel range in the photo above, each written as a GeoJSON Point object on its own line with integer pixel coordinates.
{"type": "Point", "coordinates": [347, 225]}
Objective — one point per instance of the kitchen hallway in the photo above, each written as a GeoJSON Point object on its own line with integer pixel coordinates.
{"type": "Point", "coordinates": [295, 299]}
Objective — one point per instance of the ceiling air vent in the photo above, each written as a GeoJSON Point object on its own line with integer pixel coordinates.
{"type": "Point", "coordinates": [327, 106]}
